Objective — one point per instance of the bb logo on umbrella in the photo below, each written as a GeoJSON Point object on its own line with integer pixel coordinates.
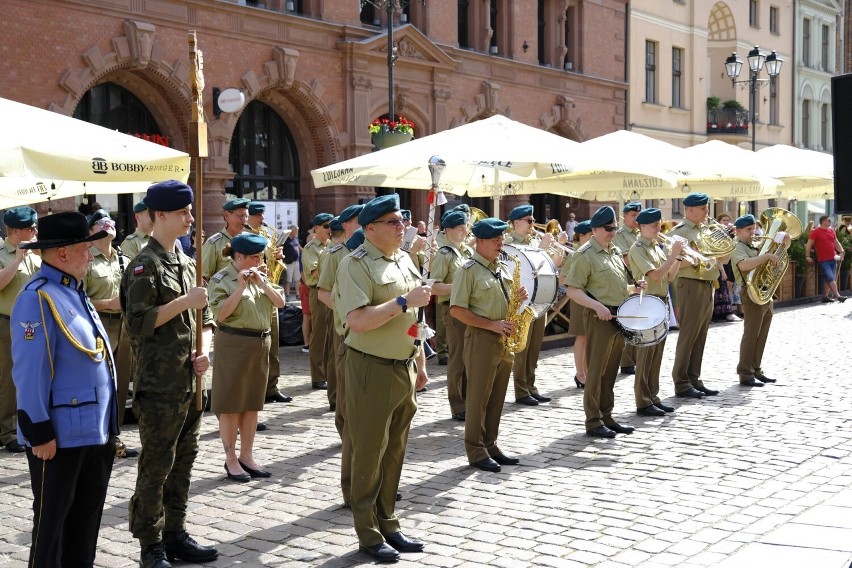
{"type": "Point", "coordinates": [99, 166]}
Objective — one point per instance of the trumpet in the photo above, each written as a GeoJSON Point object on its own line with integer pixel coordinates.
{"type": "Point", "coordinates": [552, 228]}
{"type": "Point", "coordinates": [697, 259]}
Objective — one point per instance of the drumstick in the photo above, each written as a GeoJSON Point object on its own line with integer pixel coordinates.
{"type": "Point", "coordinates": [641, 293]}
{"type": "Point", "coordinates": [631, 317]}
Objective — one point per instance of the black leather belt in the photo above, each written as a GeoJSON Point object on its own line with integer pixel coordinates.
{"type": "Point", "coordinates": [110, 315]}
{"type": "Point", "coordinates": [698, 280]}
{"type": "Point", "coordinates": [383, 360]}
{"type": "Point", "coordinates": [5, 317]}
{"type": "Point", "coordinates": [243, 332]}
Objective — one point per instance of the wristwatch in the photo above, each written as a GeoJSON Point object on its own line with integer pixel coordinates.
{"type": "Point", "coordinates": [403, 303]}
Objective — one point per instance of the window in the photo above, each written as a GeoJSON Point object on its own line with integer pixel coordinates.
{"type": "Point", "coordinates": [773, 19]}
{"type": "Point", "coordinates": [773, 100]}
{"type": "Point", "coordinates": [464, 38]}
{"type": "Point", "coordinates": [677, 57]}
{"type": "Point", "coordinates": [806, 123]}
{"type": "Point", "coordinates": [650, 72]}
{"type": "Point", "coordinates": [369, 15]}
{"type": "Point", "coordinates": [263, 156]}
{"type": "Point", "coordinates": [806, 42]}
{"type": "Point", "coordinates": [753, 10]}
{"type": "Point", "coordinates": [824, 52]}
{"type": "Point", "coordinates": [823, 127]}
{"type": "Point", "coordinates": [493, 47]}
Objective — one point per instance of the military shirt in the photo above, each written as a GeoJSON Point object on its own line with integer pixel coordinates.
{"type": "Point", "coordinates": [103, 279]}
{"type": "Point", "coordinates": [311, 259]}
{"type": "Point", "coordinates": [566, 265]}
{"type": "Point", "coordinates": [212, 260]}
{"type": "Point", "coordinates": [690, 231]}
{"type": "Point", "coordinates": [27, 267]}
{"type": "Point", "coordinates": [482, 287]}
{"type": "Point", "coordinates": [645, 256]}
{"type": "Point", "coordinates": [329, 263]}
{"type": "Point", "coordinates": [444, 264]}
{"type": "Point", "coordinates": [254, 309]}
{"type": "Point", "coordinates": [366, 277]}
{"type": "Point", "coordinates": [600, 273]}
{"type": "Point", "coordinates": [624, 238]}
{"type": "Point", "coordinates": [155, 278]}
{"type": "Point", "coordinates": [133, 243]}
{"type": "Point", "coordinates": [514, 238]}
{"type": "Point", "coordinates": [741, 252]}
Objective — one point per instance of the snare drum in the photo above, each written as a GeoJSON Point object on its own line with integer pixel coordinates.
{"type": "Point", "coordinates": [538, 275]}
{"type": "Point", "coordinates": [649, 329]}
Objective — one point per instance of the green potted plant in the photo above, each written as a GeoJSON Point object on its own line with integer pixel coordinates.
{"type": "Point", "coordinates": [733, 104]}
{"type": "Point", "coordinates": [386, 133]}
{"type": "Point", "coordinates": [845, 242]}
{"type": "Point", "coordinates": [797, 255]}
{"type": "Point", "coordinates": [714, 103]}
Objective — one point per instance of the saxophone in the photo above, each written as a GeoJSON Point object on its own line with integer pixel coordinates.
{"type": "Point", "coordinates": [520, 315]}
{"type": "Point", "coordinates": [274, 267]}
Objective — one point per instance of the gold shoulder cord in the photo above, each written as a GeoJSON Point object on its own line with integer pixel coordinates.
{"type": "Point", "coordinates": [98, 354]}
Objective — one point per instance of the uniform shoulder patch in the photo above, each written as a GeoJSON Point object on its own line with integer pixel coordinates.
{"type": "Point", "coordinates": [35, 284]}
{"type": "Point", "coordinates": [215, 238]}
{"type": "Point", "coordinates": [585, 246]}
{"type": "Point", "coordinates": [336, 247]}
{"type": "Point", "coordinates": [359, 252]}
{"type": "Point", "coordinates": [218, 276]}
{"type": "Point", "coordinates": [468, 263]}
{"type": "Point", "coordinates": [131, 236]}
{"type": "Point", "coordinates": [445, 249]}
{"type": "Point", "coordinates": [678, 226]}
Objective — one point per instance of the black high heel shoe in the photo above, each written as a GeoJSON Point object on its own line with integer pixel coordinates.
{"type": "Point", "coordinates": [241, 477]}
{"type": "Point", "coordinates": [578, 383]}
{"type": "Point", "coordinates": [254, 472]}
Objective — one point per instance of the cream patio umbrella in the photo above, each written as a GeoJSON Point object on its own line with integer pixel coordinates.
{"type": "Point", "coordinates": [725, 171]}
{"type": "Point", "coordinates": [806, 174]}
{"type": "Point", "coordinates": [45, 155]}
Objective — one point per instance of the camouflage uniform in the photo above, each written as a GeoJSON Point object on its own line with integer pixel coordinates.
{"type": "Point", "coordinates": [169, 424]}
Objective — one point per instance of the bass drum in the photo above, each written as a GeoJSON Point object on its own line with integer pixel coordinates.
{"type": "Point", "coordinates": [649, 321]}
{"type": "Point", "coordinates": [538, 275]}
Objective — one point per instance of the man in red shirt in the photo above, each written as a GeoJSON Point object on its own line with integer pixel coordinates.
{"type": "Point", "coordinates": [828, 252]}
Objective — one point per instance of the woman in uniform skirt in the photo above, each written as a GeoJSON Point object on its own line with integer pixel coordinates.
{"type": "Point", "coordinates": [241, 299]}
{"type": "Point", "coordinates": [576, 326]}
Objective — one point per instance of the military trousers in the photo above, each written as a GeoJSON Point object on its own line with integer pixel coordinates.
{"type": "Point", "coordinates": [8, 393]}
{"type": "Point", "coordinates": [604, 347]}
{"type": "Point", "coordinates": [646, 383]}
{"type": "Point", "coordinates": [526, 361]}
{"type": "Point", "coordinates": [380, 404]}
{"type": "Point", "coordinates": [756, 321]}
{"type": "Point", "coordinates": [340, 422]}
{"type": "Point", "coordinates": [694, 300]}
{"type": "Point", "coordinates": [442, 343]}
{"type": "Point", "coordinates": [68, 500]}
{"type": "Point", "coordinates": [629, 356]}
{"type": "Point", "coordinates": [169, 426]}
{"type": "Point", "coordinates": [317, 348]}
{"type": "Point", "coordinates": [456, 376]}
{"type": "Point", "coordinates": [274, 358]}
{"type": "Point", "coordinates": [330, 357]}
{"type": "Point", "coordinates": [487, 363]}
{"type": "Point", "coordinates": [122, 353]}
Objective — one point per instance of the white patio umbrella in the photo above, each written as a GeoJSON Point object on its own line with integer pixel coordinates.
{"type": "Point", "coordinates": [45, 155]}
{"type": "Point", "coordinates": [806, 174]}
{"type": "Point", "coordinates": [725, 171]}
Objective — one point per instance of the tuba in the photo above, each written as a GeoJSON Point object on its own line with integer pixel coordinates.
{"type": "Point", "coordinates": [762, 282]}
{"type": "Point", "coordinates": [520, 315]}
{"type": "Point", "coordinates": [274, 267]}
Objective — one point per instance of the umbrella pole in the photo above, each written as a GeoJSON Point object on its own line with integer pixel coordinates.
{"type": "Point", "coordinates": [198, 151]}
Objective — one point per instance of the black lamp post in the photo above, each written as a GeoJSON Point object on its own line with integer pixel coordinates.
{"type": "Point", "coordinates": [756, 62]}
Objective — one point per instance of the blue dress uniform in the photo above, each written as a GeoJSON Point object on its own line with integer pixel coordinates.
{"type": "Point", "coordinates": [64, 375]}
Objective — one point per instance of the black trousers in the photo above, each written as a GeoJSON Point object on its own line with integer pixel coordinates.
{"type": "Point", "coordinates": [68, 500]}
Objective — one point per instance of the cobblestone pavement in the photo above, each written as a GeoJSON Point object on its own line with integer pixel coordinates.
{"type": "Point", "coordinates": [755, 478]}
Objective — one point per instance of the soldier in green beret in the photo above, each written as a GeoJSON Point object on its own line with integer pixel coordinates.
{"type": "Point", "coordinates": [133, 243]}
{"type": "Point", "coordinates": [311, 254]}
{"type": "Point", "coordinates": [235, 214]}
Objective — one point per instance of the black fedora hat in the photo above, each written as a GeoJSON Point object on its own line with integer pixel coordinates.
{"type": "Point", "coordinates": [63, 229]}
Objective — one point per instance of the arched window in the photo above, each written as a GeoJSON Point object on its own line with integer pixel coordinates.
{"type": "Point", "coordinates": [263, 156]}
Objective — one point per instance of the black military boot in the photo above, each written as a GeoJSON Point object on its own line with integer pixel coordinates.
{"type": "Point", "coordinates": [180, 546]}
{"type": "Point", "coordinates": [154, 556]}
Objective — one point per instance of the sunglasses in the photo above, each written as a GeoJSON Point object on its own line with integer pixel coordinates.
{"type": "Point", "coordinates": [610, 228]}
{"type": "Point", "coordinates": [393, 222]}
{"type": "Point", "coordinates": [325, 226]}
{"type": "Point", "coordinates": [530, 220]}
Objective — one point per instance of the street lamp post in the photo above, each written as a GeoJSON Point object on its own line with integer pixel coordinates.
{"type": "Point", "coordinates": [756, 62]}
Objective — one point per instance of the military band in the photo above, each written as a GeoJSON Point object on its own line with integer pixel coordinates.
{"type": "Point", "coordinates": [625, 236]}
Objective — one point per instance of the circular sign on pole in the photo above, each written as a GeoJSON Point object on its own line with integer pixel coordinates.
{"type": "Point", "coordinates": [231, 100]}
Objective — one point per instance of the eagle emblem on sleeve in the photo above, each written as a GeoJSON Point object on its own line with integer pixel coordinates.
{"type": "Point", "coordinates": [29, 329]}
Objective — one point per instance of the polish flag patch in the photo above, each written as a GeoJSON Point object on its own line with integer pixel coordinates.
{"type": "Point", "coordinates": [138, 270]}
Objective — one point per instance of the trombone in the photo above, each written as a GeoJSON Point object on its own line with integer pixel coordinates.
{"type": "Point", "coordinates": [552, 228]}
{"type": "Point", "coordinates": [697, 259]}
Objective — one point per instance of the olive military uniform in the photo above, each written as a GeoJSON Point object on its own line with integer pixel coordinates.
{"type": "Point", "coordinates": [645, 256]}
{"type": "Point", "coordinates": [212, 260]}
{"type": "Point", "coordinates": [624, 239]}
{"type": "Point", "coordinates": [526, 361]}
{"type": "Point", "coordinates": [443, 267]}
{"type": "Point", "coordinates": [164, 381]}
{"type": "Point", "coordinates": [441, 341]}
{"type": "Point", "coordinates": [694, 301]}
{"type": "Point", "coordinates": [483, 288]}
{"type": "Point", "coordinates": [134, 242]}
{"type": "Point", "coordinates": [380, 376]}
{"type": "Point", "coordinates": [271, 234]}
{"type": "Point", "coordinates": [103, 282]}
{"type": "Point", "coordinates": [576, 325]}
{"type": "Point", "coordinates": [329, 262]}
{"type": "Point", "coordinates": [602, 275]}
{"type": "Point", "coordinates": [756, 319]}
{"type": "Point", "coordinates": [311, 254]}
{"type": "Point", "coordinates": [28, 266]}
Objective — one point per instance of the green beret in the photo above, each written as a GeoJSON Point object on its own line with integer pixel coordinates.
{"type": "Point", "coordinates": [97, 216]}
{"type": "Point", "coordinates": [356, 240]}
{"type": "Point", "coordinates": [744, 221]}
{"type": "Point", "coordinates": [452, 219]}
{"type": "Point", "coordinates": [168, 195]}
{"type": "Point", "coordinates": [256, 208]}
{"type": "Point", "coordinates": [520, 212]}
{"type": "Point", "coordinates": [583, 227]}
{"type": "Point", "coordinates": [377, 207]}
{"type": "Point", "coordinates": [648, 216]}
{"type": "Point", "coordinates": [350, 212]}
{"type": "Point", "coordinates": [248, 243]}
{"type": "Point", "coordinates": [464, 207]}
{"type": "Point", "coordinates": [321, 219]}
{"type": "Point", "coordinates": [335, 224]}
{"type": "Point", "coordinates": [20, 217]}
{"type": "Point", "coordinates": [140, 207]}
{"type": "Point", "coordinates": [489, 228]}
{"type": "Point", "coordinates": [632, 206]}
{"type": "Point", "coordinates": [236, 203]}
{"type": "Point", "coordinates": [603, 216]}
{"type": "Point", "coordinates": [696, 199]}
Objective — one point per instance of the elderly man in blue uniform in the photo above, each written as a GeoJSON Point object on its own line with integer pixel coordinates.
{"type": "Point", "coordinates": [756, 317]}
{"type": "Point", "coordinates": [624, 238]}
{"type": "Point", "coordinates": [599, 281]}
{"type": "Point", "coordinates": [67, 412]}
{"type": "Point", "coordinates": [17, 265]}
{"type": "Point", "coordinates": [523, 369]}
{"type": "Point", "coordinates": [694, 301]}
{"type": "Point", "coordinates": [159, 298]}
{"type": "Point", "coordinates": [379, 293]}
